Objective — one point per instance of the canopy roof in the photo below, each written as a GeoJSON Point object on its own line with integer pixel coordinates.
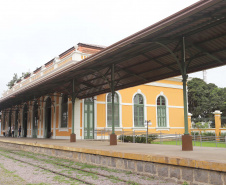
{"type": "Point", "coordinates": [149, 55]}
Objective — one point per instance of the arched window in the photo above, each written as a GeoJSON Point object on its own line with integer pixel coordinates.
{"type": "Point", "coordinates": [161, 111]}
{"type": "Point", "coordinates": [109, 110]}
{"type": "Point", "coordinates": [64, 111]}
{"type": "Point", "coordinates": [138, 104]}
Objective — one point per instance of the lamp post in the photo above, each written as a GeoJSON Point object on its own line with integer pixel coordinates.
{"type": "Point", "coordinates": [146, 123]}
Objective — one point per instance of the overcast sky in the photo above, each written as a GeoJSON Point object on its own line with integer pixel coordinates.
{"type": "Point", "coordinates": [32, 32]}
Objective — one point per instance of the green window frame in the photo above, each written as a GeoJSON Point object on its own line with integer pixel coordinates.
{"type": "Point", "coordinates": [138, 111]}
{"type": "Point", "coordinates": [64, 112]}
{"type": "Point", "coordinates": [109, 110]}
{"type": "Point", "coordinates": [161, 111]}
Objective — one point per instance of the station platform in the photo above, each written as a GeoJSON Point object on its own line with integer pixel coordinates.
{"type": "Point", "coordinates": [136, 157]}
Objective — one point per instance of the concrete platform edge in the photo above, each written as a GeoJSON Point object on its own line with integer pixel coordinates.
{"type": "Point", "coordinates": [176, 161]}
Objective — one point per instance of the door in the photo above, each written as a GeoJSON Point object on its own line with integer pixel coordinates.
{"type": "Point", "coordinates": [88, 118]}
{"type": "Point", "coordinates": [35, 121]}
{"type": "Point", "coordinates": [16, 124]}
{"type": "Point", "coordinates": [25, 121]}
{"type": "Point", "coordinates": [48, 119]}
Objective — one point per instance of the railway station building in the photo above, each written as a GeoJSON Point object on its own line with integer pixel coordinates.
{"type": "Point", "coordinates": [69, 95]}
{"type": "Point", "coordinates": [50, 115]}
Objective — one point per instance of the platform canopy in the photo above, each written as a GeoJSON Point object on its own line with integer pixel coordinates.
{"type": "Point", "coordinates": [151, 54]}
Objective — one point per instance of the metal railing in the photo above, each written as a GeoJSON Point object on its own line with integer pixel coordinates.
{"type": "Point", "coordinates": [137, 136]}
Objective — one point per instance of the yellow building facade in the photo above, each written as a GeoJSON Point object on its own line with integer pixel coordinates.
{"type": "Point", "coordinates": [50, 116]}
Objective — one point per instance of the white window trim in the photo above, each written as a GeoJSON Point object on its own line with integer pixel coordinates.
{"type": "Point", "coordinates": [100, 102]}
{"type": "Point", "coordinates": [95, 116]}
{"type": "Point", "coordinates": [59, 116]}
{"type": "Point", "coordinates": [54, 117]}
{"type": "Point", "coordinates": [82, 102]}
{"type": "Point", "coordinates": [32, 119]}
{"type": "Point", "coordinates": [162, 128]}
{"type": "Point", "coordinates": [120, 110]}
{"type": "Point", "coordinates": [167, 112]}
{"type": "Point", "coordinates": [145, 109]}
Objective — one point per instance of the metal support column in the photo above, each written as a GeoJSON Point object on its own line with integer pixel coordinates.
{"type": "Point", "coordinates": [113, 98]}
{"type": "Point", "coordinates": [185, 77]}
{"type": "Point", "coordinates": [113, 137]}
{"type": "Point", "coordinates": [73, 135]}
{"type": "Point", "coordinates": [186, 138]}
{"type": "Point", "coordinates": [185, 104]}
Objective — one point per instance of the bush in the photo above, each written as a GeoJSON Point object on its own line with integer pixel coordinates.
{"type": "Point", "coordinates": [203, 133]}
{"type": "Point", "coordinates": [223, 134]}
{"type": "Point", "coordinates": [208, 134]}
{"type": "Point", "coordinates": [139, 139]}
{"type": "Point", "coordinates": [194, 133]}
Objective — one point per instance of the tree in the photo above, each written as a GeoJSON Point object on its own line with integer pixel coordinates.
{"type": "Point", "coordinates": [11, 82]}
{"type": "Point", "coordinates": [16, 79]}
{"type": "Point", "coordinates": [25, 74]}
{"type": "Point", "coordinates": [203, 98]}
{"type": "Point", "coordinates": [197, 97]}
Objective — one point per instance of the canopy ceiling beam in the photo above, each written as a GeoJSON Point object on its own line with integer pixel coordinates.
{"type": "Point", "coordinates": [207, 53]}
{"type": "Point", "coordinates": [199, 27]}
{"type": "Point", "coordinates": [168, 64]}
{"type": "Point", "coordinates": [210, 25]}
{"type": "Point", "coordinates": [158, 62]}
{"type": "Point", "coordinates": [132, 73]}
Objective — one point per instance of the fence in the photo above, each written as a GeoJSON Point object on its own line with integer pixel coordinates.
{"type": "Point", "coordinates": [209, 141]}
{"type": "Point", "coordinates": [131, 136]}
{"type": "Point", "coordinates": [223, 122]}
{"type": "Point", "coordinates": [202, 140]}
{"type": "Point", "coordinates": [216, 124]}
{"type": "Point", "coordinates": [210, 121]}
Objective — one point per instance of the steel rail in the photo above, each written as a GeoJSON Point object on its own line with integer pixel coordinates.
{"type": "Point", "coordinates": [68, 176]}
{"type": "Point", "coordinates": [63, 165]}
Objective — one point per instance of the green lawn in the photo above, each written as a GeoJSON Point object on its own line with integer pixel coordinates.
{"type": "Point", "coordinates": [196, 143]}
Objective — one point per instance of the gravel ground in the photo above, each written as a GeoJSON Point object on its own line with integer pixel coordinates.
{"type": "Point", "coordinates": [21, 173]}
{"type": "Point", "coordinates": [15, 172]}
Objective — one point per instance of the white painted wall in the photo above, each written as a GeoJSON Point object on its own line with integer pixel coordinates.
{"type": "Point", "coordinates": [77, 119]}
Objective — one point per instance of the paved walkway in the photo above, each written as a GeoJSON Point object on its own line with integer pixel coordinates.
{"type": "Point", "coordinates": [200, 157]}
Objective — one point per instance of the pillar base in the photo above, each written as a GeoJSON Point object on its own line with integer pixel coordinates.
{"type": "Point", "coordinates": [73, 138]}
{"type": "Point", "coordinates": [113, 139]}
{"type": "Point", "coordinates": [187, 143]}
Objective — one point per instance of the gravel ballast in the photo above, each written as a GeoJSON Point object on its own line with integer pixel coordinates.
{"type": "Point", "coordinates": [27, 171]}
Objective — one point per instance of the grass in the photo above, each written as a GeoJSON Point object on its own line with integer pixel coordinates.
{"type": "Point", "coordinates": [87, 166]}
{"type": "Point", "coordinates": [132, 183]}
{"type": "Point", "coordinates": [10, 176]}
{"type": "Point", "coordinates": [185, 183]}
{"type": "Point", "coordinates": [196, 143]}
{"type": "Point", "coordinates": [62, 179]}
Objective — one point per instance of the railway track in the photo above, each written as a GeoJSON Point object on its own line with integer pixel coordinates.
{"type": "Point", "coordinates": [61, 165]}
